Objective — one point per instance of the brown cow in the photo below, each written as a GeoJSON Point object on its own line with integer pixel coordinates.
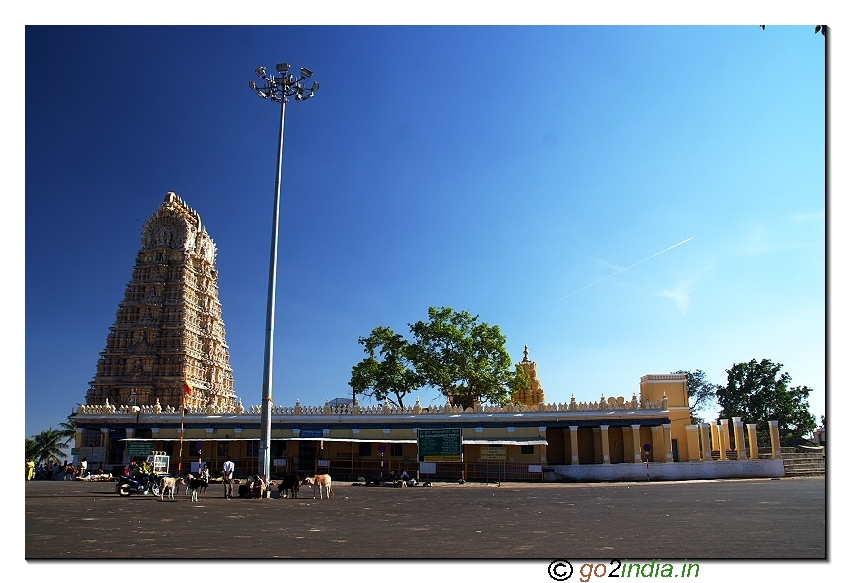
{"type": "Point", "coordinates": [322, 482]}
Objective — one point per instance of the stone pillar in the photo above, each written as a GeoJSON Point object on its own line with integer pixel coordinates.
{"type": "Point", "coordinates": [636, 447]}
{"type": "Point", "coordinates": [692, 435]}
{"type": "Point", "coordinates": [704, 429]}
{"type": "Point", "coordinates": [627, 444]}
{"type": "Point", "coordinates": [775, 449]}
{"type": "Point", "coordinates": [104, 443]}
{"type": "Point", "coordinates": [715, 436]}
{"type": "Point", "coordinates": [667, 436]}
{"type": "Point", "coordinates": [574, 445]}
{"type": "Point", "coordinates": [543, 458]}
{"type": "Point", "coordinates": [597, 445]}
{"type": "Point", "coordinates": [606, 453]}
{"type": "Point", "coordinates": [739, 437]}
{"type": "Point", "coordinates": [723, 441]}
{"type": "Point", "coordinates": [567, 445]}
{"type": "Point", "coordinates": [131, 432]}
{"type": "Point", "coordinates": [657, 438]}
{"type": "Point", "coordinates": [754, 446]}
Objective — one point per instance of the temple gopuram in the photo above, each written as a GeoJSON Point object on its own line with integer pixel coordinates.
{"type": "Point", "coordinates": [168, 329]}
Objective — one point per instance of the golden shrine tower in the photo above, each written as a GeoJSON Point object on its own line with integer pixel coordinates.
{"type": "Point", "coordinates": [168, 328]}
{"type": "Point", "coordinates": [534, 394]}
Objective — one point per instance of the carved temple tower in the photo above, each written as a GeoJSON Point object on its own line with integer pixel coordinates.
{"type": "Point", "coordinates": [534, 394]}
{"type": "Point", "coordinates": [169, 327]}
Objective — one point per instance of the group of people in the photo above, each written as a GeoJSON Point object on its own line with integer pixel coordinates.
{"type": "Point", "coordinates": [255, 488]}
{"type": "Point", "coordinates": [402, 481]}
{"type": "Point", "coordinates": [55, 471]}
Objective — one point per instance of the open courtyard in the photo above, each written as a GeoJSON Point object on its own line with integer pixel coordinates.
{"type": "Point", "coordinates": [723, 519]}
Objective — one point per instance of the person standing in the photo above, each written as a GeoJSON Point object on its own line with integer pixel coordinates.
{"type": "Point", "coordinates": [227, 475]}
{"type": "Point", "coordinates": [84, 464]}
{"type": "Point", "coordinates": [30, 470]}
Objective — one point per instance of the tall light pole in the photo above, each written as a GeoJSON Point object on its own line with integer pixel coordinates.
{"type": "Point", "coordinates": [278, 88]}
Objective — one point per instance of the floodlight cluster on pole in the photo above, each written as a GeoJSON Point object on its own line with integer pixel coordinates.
{"type": "Point", "coordinates": [279, 88]}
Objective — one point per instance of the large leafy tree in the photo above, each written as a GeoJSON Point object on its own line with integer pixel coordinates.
{"type": "Point", "coordinates": [759, 392]}
{"type": "Point", "coordinates": [387, 373]}
{"type": "Point", "coordinates": [48, 446]}
{"type": "Point", "coordinates": [463, 357]}
{"type": "Point", "coordinates": [701, 393]}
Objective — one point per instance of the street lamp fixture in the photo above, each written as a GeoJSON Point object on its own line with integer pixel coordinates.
{"type": "Point", "coordinates": [279, 88]}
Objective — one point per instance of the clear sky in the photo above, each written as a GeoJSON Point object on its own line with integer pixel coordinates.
{"type": "Point", "coordinates": [534, 176]}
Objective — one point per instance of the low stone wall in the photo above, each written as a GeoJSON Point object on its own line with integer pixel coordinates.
{"type": "Point", "coordinates": [704, 470]}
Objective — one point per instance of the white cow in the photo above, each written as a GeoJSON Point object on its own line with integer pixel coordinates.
{"type": "Point", "coordinates": [322, 482]}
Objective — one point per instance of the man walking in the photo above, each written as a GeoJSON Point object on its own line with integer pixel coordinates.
{"type": "Point", "coordinates": [227, 476]}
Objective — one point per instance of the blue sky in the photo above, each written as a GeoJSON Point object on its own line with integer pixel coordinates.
{"type": "Point", "coordinates": [514, 172]}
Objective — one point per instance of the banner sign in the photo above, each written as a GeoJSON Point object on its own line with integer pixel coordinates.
{"type": "Point", "coordinates": [494, 453]}
{"type": "Point", "coordinates": [139, 448]}
{"type": "Point", "coordinates": [440, 445]}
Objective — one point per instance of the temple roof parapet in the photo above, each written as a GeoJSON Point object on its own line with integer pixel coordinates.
{"type": "Point", "coordinates": [603, 404]}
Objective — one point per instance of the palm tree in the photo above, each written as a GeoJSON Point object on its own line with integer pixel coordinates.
{"type": "Point", "coordinates": [47, 446]}
{"type": "Point", "coordinates": [31, 449]}
{"type": "Point", "coordinates": [68, 429]}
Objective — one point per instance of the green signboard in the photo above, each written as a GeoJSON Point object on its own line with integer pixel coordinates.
{"type": "Point", "coordinates": [139, 448]}
{"type": "Point", "coordinates": [440, 445]}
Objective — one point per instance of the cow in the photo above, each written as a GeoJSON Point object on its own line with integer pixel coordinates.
{"type": "Point", "coordinates": [322, 482]}
{"type": "Point", "coordinates": [169, 485]}
{"type": "Point", "coordinates": [289, 484]}
{"type": "Point", "coordinates": [193, 486]}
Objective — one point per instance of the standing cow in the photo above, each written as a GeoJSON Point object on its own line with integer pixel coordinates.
{"type": "Point", "coordinates": [289, 484]}
{"type": "Point", "coordinates": [322, 482]}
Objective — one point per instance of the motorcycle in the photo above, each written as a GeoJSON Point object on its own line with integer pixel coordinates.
{"type": "Point", "coordinates": [143, 485]}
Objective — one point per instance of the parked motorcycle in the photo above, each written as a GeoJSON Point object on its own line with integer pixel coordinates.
{"type": "Point", "coordinates": [143, 485]}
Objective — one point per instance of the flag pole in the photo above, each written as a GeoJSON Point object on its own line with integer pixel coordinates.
{"type": "Point", "coordinates": [187, 390]}
{"type": "Point", "coordinates": [182, 417]}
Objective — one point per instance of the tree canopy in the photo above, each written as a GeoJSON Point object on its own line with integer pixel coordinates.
{"type": "Point", "coordinates": [388, 372]}
{"type": "Point", "coordinates": [455, 352]}
{"type": "Point", "coordinates": [759, 392]}
{"type": "Point", "coordinates": [47, 446]}
{"type": "Point", "coordinates": [701, 393]}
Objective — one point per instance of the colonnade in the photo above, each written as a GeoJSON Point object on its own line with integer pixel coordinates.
{"type": "Point", "coordinates": [700, 442]}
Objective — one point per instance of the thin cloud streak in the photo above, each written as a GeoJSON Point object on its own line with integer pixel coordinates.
{"type": "Point", "coordinates": [612, 275]}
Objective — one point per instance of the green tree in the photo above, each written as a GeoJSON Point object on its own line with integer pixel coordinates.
{"type": "Point", "coordinates": [48, 446]}
{"type": "Point", "coordinates": [463, 357]}
{"type": "Point", "coordinates": [519, 380]}
{"type": "Point", "coordinates": [68, 429]}
{"type": "Point", "coordinates": [759, 392]}
{"type": "Point", "coordinates": [701, 393]}
{"type": "Point", "coordinates": [31, 449]}
{"type": "Point", "coordinates": [387, 373]}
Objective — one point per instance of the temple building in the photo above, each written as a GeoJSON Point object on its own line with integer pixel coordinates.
{"type": "Point", "coordinates": [168, 329]}
{"type": "Point", "coordinates": [169, 334]}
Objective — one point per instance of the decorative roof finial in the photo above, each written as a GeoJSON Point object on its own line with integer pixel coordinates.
{"type": "Point", "coordinates": [525, 354]}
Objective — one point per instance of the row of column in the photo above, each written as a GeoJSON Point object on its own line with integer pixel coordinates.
{"type": "Point", "coordinates": [661, 439]}
{"type": "Point", "coordinates": [714, 436]}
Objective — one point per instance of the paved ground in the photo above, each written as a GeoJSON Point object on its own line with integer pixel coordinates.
{"type": "Point", "coordinates": [727, 519]}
